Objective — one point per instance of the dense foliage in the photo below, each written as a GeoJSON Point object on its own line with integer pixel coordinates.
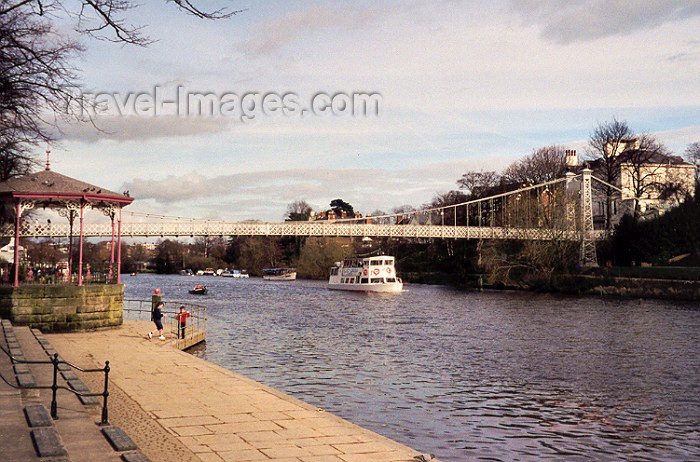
{"type": "Point", "coordinates": [677, 232]}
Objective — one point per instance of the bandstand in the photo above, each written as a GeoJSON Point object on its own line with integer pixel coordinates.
{"type": "Point", "coordinates": [71, 301]}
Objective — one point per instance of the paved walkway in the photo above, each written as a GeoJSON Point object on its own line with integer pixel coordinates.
{"type": "Point", "coordinates": [179, 407]}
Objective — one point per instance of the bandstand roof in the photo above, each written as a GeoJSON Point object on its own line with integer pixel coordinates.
{"type": "Point", "coordinates": [51, 188]}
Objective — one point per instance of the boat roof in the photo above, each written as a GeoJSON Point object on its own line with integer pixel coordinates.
{"type": "Point", "coordinates": [377, 257]}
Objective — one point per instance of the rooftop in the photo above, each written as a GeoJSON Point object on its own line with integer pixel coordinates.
{"type": "Point", "coordinates": [53, 186]}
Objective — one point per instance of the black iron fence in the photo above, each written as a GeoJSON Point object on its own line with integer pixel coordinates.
{"type": "Point", "coordinates": [54, 387]}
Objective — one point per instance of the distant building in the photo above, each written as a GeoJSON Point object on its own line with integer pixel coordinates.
{"type": "Point", "coordinates": [666, 181]}
{"type": "Point", "coordinates": [7, 252]}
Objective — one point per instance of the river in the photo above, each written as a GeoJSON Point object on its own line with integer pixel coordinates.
{"type": "Point", "coordinates": [466, 375]}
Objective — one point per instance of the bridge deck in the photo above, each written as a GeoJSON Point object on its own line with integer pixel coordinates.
{"type": "Point", "coordinates": [306, 228]}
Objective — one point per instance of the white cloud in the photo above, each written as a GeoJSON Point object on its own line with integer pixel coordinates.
{"type": "Point", "coordinates": [279, 32]}
{"type": "Point", "coordinates": [124, 128]}
{"type": "Point", "coordinates": [583, 20]}
{"type": "Point", "coordinates": [464, 85]}
{"type": "Point", "coordinates": [265, 194]}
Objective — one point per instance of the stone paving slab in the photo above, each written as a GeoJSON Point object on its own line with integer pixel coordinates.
{"type": "Point", "coordinates": [21, 368]}
{"type": "Point", "coordinates": [134, 457]}
{"type": "Point", "coordinates": [25, 380]}
{"type": "Point", "coordinates": [90, 400]}
{"type": "Point", "coordinates": [119, 440]}
{"type": "Point", "coordinates": [37, 416]}
{"type": "Point", "coordinates": [78, 385]}
{"type": "Point", "coordinates": [69, 375]}
{"type": "Point", "coordinates": [217, 414]}
{"type": "Point", "coordinates": [47, 442]}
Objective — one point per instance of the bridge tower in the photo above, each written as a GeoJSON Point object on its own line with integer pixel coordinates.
{"type": "Point", "coordinates": [588, 257]}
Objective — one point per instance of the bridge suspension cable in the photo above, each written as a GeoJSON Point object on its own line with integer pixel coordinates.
{"type": "Point", "coordinates": [554, 210]}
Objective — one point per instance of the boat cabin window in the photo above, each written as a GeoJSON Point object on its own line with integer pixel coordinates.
{"type": "Point", "coordinates": [375, 263]}
{"type": "Point", "coordinates": [377, 280]}
{"type": "Point", "coordinates": [364, 281]}
{"type": "Point", "coordinates": [388, 262]}
{"type": "Point", "coordinates": [390, 279]}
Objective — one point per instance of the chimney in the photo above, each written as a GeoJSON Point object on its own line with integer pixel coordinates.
{"type": "Point", "coordinates": [571, 158]}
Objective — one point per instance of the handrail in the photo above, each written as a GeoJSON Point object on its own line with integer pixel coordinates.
{"type": "Point", "coordinates": [196, 327]}
{"type": "Point", "coordinates": [54, 387]}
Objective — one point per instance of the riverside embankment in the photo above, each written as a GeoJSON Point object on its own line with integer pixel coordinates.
{"type": "Point", "coordinates": [178, 407]}
{"type": "Point", "coordinates": [600, 285]}
{"type": "Point", "coordinates": [463, 374]}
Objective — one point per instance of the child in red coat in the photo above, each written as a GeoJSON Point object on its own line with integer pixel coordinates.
{"type": "Point", "coordinates": [182, 321]}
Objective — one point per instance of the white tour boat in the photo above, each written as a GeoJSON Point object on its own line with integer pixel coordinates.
{"type": "Point", "coordinates": [367, 274]}
{"type": "Point", "coordinates": [279, 274]}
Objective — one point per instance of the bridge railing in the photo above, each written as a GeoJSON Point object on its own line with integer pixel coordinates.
{"type": "Point", "coordinates": [549, 210]}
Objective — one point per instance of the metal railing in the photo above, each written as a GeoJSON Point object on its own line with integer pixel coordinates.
{"type": "Point", "coordinates": [54, 387]}
{"type": "Point", "coordinates": [195, 328]}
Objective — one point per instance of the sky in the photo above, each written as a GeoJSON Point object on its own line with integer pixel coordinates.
{"type": "Point", "coordinates": [463, 85]}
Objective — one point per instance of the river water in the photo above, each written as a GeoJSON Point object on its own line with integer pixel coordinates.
{"type": "Point", "coordinates": [466, 375]}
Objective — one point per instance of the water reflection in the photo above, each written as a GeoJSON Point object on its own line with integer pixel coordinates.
{"type": "Point", "coordinates": [467, 376]}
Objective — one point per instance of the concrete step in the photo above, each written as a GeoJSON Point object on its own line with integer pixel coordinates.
{"type": "Point", "coordinates": [15, 435]}
{"type": "Point", "coordinates": [76, 425]}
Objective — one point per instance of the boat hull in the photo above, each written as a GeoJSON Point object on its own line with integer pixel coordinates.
{"type": "Point", "coordinates": [383, 288]}
{"type": "Point", "coordinates": [283, 277]}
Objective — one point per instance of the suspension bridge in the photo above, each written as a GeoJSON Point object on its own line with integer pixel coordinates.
{"type": "Point", "coordinates": [556, 210]}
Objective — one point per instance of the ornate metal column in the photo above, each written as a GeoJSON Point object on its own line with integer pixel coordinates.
{"type": "Point", "coordinates": [109, 211]}
{"type": "Point", "coordinates": [18, 218]}
{"type": "Point", "coordinates": [80, 249]}
{"type": "Point", "coordinates": [588, 257]}
{"type": "Point", "coordinates": [119, 245]}
{"type": "Point", "coordinates": [22, 205]}
{"type": "Point", "coordinates": [69, 212]}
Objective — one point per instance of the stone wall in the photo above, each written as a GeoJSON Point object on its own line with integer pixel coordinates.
{"type": "Point", "coordinates": [59, 308]}
{"type": "Point", "coordinates": [666, 289]}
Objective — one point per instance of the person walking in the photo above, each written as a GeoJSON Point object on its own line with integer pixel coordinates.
{"type": "Point", "coordinates": [182, 321]}
{"type": "Point", "coordinates": [156, 298]}
{"type": "Point", "coordinates": [158, 316]}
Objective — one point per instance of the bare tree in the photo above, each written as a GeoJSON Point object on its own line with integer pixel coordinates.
{"type": "Point", "coordinates": [15, 158]}
{"type": "Point", "coordinates": [38, 84]}
{"type": "Point", "coordinates": [382, 220]}
{"type": "Point", "coordinates": [478, 183]}
{"type": "Point", "coordinates": [544, 164]}
{"type": "Point", "coordinates": [534, 263]}
{"type": "Point", "coordinates": [692, 155]}
{"type": "Point", "coordinates": [299, 210]}
{"type": "Point", "coordinates": [105, 19]}
{"type": "Point", "coordinates": [608, 140]}
{"type": "Point", "coordinates": [642, 164]}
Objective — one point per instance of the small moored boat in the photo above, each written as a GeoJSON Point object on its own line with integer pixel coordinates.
{"type": "Point", "coordinates": [199, 290]}
{"type": "Point", "coordinates": [279, 274]}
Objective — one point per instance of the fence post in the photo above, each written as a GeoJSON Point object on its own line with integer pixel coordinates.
{"type": "Point", "coordinates": [105, 394]}
{"type": "Point", "coordinates": [54, 387]}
